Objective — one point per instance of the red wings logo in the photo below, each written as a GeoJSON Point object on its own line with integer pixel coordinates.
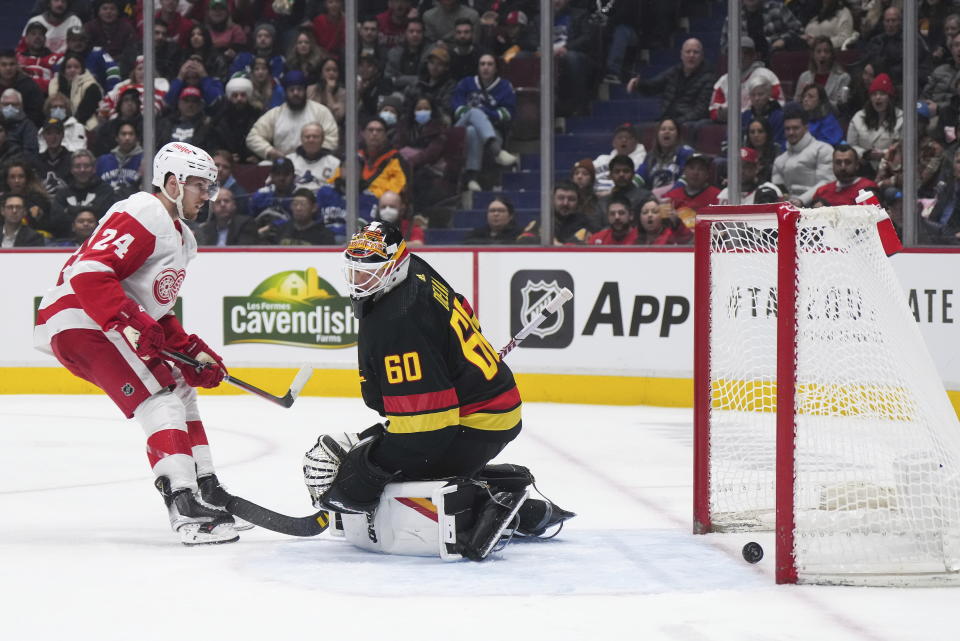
{"type": "Point", "coordinates": [167, 285]}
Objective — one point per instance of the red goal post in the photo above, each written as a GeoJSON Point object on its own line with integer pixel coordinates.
{"type": "Point", "coordinates": [818, 412]}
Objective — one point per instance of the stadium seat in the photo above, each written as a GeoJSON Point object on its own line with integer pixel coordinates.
{"type": "Point", "coordinates": [710, 139]}
{"type": "Point", "coordinates": [453, 236]}
{"type": "Point", "coordinates": [523, 72]}
{"type": "Point", "coordinates": [251, 177]}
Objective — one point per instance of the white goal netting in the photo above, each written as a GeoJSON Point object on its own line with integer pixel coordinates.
{"type": "Point", "coordinates": [877, 443]}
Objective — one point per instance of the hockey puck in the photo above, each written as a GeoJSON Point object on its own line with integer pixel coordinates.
{"type": "Point", "coordinates": [752, 552]}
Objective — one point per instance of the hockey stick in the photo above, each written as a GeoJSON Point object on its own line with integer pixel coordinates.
{"type": "Point", "coordinates": [555, 304]}
{"type": "Point", "coordinates": [303, 375]}
{"type": "Point", "coordinates": [291, 525]}
{"type": "Point", "coordinates": [316, 523]}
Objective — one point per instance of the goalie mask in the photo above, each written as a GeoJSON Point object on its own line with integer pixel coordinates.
{"type": "Point", "coordinates": [375, 261]}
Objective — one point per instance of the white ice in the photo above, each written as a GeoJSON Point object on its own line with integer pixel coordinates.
{"type": "Point", "coordinates": [86, 551]}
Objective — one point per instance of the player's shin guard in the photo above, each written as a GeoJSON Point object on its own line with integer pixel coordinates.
{"type": "Point", "coordinates": [200, 448]}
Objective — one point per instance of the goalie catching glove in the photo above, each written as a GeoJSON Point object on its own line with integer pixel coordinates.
{"type": "Point", "coordinates": [340, 475]}
{"type": "Point", "coordinates": [322, 461]}
{"type": "Point", "coordinates": [145, 335]}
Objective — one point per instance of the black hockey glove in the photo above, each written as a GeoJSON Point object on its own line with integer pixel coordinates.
{"type": "Point", "coordinates": [357, 487]}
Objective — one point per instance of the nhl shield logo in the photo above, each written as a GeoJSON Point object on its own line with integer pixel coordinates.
{"type": "Point", "coordinates": [531, 290]}
{"type": "Point", "coordinates": [536, 296]}
{"type": "Point", "coordinates": [127, 389]}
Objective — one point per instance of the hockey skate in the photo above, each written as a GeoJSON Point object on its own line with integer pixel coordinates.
{"type": "Point", "coordinates": [215, 494]}
{"type": "Point", "coordinates": [195, 522]}
{"type": "Point", "coordinates": [537, 516]}
{"type": "Point", "coordinates": [493, 524]}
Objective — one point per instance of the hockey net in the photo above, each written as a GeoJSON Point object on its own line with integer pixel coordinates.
{"type": "Point", "coordinates": [858, 468]}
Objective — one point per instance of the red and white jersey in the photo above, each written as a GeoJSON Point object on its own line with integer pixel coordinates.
{"type": "Point", "coordinates": [137, 251]}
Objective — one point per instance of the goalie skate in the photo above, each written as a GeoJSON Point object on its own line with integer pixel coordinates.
{"type": "Point", "coordinates": [195, 522]}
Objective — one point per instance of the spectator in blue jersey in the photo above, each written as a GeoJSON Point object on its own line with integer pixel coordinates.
{"type": "Point", "coordinates": [823, 124]}
{"type": "Point", "coordinates": [121, 167]}
{"type": "Point", "coordinates": [271, 203]}
{"type": "Point", "coordinates": [193, 73]}
{"type": "Point", "coordinates": [267, 90]}
{"type": "Point", "coordinates": [97, 61]}
{"type": "Point", "coordinates": [332, 209]}
{"type": "Point", "coordinates": [485, 105]}
{"type": "Point", "coordinates": [663, 164]}
{"type": "Point", "coordinates": [304, 226]}
{"type": "Point", "coordinates": [264, 46]}
{"type": "Point", "coordinates": [763, 106]}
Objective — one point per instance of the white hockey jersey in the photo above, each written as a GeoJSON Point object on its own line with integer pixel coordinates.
{"type": "Point", "coordinates": [137, 251]}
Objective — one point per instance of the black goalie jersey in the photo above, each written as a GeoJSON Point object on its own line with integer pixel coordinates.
{"type": "Point", "coordinates": [425, 366]}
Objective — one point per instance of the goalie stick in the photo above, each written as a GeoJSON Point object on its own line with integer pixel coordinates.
{"type": "Point", "coordinates": [314, 524]}
{"type": "Point", "coordinates": [554, 305]}
{"type": "Point", "coordinates": [303, 375]}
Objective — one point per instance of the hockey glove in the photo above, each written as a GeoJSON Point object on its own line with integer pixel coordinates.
{"type": "Point", "coordinates": [359, 482]}
{"type": "Point", "coordinates": [213, 370]}
{"type": "Point", "coordinates": [144, 334]}
{"type": "Point", "coordinates": [322, 462]}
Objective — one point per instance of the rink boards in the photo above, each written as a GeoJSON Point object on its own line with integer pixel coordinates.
{"type": "Point", "coordinates": [626, 338]}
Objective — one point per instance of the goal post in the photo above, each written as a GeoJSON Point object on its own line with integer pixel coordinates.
{"type": "Point", "coordinates": [818, 412]}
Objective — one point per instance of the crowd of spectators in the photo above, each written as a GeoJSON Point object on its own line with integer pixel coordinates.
{"type": "Point", "coordinates": [260, 86]}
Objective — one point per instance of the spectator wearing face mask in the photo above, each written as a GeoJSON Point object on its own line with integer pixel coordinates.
{"type": "Point", "coordinates": [390, 109]}
{"type": "Point", "coordinates": [12, 77]}
{"type": "Point", "coordinates": [74, 134]}
{"type": "Point", "coordinates": [392, 209]}
{"type": "Point", "coordinates": [20, 130]}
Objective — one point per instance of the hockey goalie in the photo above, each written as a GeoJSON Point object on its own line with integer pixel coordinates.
{"type": "Point", "coordinates": [421, 483]}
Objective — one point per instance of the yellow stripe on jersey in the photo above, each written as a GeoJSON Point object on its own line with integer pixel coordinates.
{"type": "Point", "coordinates": [429, 422]}
{"type": "Point", "coordinates": [492, 422]}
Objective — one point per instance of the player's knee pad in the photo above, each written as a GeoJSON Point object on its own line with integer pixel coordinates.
{"type": "Point", "coordinates": [160, 412]}
{"type": "Point", "coordinates": [415, 518]}
{"type": "Point", "coordinates": [187, 396]}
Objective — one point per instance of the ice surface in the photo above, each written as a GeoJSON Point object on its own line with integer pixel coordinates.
{"type": "Point", "coordinates": [86, 551]}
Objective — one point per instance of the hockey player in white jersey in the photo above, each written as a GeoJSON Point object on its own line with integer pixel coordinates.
{"type": "Point", "coordinates": [110, 315]}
